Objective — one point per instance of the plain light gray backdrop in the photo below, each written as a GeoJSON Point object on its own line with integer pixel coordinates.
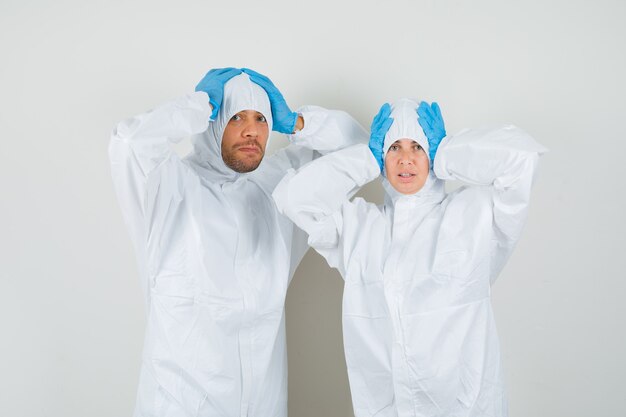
{"type": "Point", "coordinates": [71, 313]}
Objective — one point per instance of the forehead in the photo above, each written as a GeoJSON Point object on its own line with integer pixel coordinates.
{"type": "Point", "coordinates": [249, 113]}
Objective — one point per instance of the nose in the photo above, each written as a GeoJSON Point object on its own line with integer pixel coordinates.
{"type": "Point", "coordinates": [250, 130]}
{"type": "Point", "coordinates": [405, 158]}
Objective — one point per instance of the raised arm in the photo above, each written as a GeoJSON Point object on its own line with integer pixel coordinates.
{"type": "Point", "coordinates": [316, 197]}
{"type": "Point", "coordinates": [323, 131]}
{"type": "Point", "coordinates": [503, 159]}
{"type": "Point", "coordinates": [142, 159]}
{"type": "Point", "coordinates": [146, 170]}
{"type": "Point", "coordinates": [327, 130]}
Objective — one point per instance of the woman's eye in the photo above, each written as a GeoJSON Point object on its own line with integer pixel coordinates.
{"type": "Point", "coordinates": [394, 147]}
{"type": "Point", "coordinates": [262, 119]}
{"type": "Point", "coordinates": [418, 148]}
{"type": "Point", "coordinates": [236, 117]}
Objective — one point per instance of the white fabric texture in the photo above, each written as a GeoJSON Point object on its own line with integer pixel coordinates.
{"type": "Point", "coordinates": [418, 327]}
{"type": "Point", "coordinates": [215, 257]}
{"type": "Point", "coordinates": [405, 125]}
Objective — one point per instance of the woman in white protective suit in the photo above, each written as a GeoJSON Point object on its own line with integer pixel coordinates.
{"type": "Point", "coordinates": [215, 256]}
{"type": "Point", "coordinates": [419, 333]}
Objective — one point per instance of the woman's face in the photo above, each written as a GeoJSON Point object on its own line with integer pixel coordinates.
{"type": "Point", "coordinates": [406, 166]}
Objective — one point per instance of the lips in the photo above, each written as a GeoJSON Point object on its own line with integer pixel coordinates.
{"type": "Point", "coordinates": [249, 148]}
{"type": "Point", "coordinates": [406, 177]}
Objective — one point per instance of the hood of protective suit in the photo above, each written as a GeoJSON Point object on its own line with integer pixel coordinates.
{"type": "Point", "coordinates": [406, 126]}
{"type": "Point", "coordinates": [240, 93]}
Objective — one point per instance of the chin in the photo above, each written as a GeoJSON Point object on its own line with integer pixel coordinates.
{"type": "Point", "coordinates": [244, 166]}
{"type": "Point", "coordinates": [407, 189]}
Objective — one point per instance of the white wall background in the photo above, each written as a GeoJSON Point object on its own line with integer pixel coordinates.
{"type": "Point", "coordinates": [71, 314]}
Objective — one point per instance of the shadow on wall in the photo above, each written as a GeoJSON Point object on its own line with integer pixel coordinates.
{"type": "Point", "coordinates": [318, 380]}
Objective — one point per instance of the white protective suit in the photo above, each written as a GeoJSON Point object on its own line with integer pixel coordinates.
{"type": "Point", "coordinates": [419, 333]}
{"type": "Point", "coordinates": [215, 256]}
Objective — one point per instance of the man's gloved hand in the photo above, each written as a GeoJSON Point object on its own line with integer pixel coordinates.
{"type": "Point", "coordinates": [432, 124]}
{"type": "Point", "coordinates": [284, 120]}
{"type": "Point", "coordinates": [213, 84]}
{"type": "Point", "coordinates": [380, 125]}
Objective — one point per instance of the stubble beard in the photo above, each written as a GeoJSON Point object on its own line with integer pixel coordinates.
{"type": "Point", "coordinates": [242, 165]}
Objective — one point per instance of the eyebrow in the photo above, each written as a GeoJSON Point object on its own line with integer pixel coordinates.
{"type": "Point", "coordinates": [243, 112]}
{"type": "Point", "coordinates": [414, 142]}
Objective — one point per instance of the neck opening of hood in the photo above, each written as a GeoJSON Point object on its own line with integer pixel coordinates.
{"type": "Point", "coordinates": [240, 93]}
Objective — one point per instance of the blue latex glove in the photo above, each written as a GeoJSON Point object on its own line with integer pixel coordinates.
{"type": "Point", "coordinates": [283, 119]}
{"type": "Point", "coordinates": [432, 124]}
{"type": "Point", "coordinates": [213, 84]}
{"type": "Point", "coordinates": [380, 125]}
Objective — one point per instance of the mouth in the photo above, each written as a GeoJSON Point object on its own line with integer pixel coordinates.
{"type": "Point", "coordinates": [250, 149]}
{"type": "Point", "coordinates": [406, 177]}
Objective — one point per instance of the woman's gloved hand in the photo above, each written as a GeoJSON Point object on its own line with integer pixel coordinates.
{"type": "Point", "coordinates": [429, 117]}
{"type": "Point", "coordinates": [380, 125]}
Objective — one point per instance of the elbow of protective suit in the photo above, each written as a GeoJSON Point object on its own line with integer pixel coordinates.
{"type": "Point", "coordinates": [490, 157]}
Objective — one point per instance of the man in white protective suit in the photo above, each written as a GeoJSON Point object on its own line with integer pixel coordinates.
{"type": "Point", "coordinates": [214, 254]}
{"type": "Point", "coordinates": [419, 333]}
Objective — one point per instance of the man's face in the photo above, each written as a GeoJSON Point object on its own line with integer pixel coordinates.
{"type": "Point", "coordinates": [406, 166]}
{"type": "Point", "coordinates": [244, 140]}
